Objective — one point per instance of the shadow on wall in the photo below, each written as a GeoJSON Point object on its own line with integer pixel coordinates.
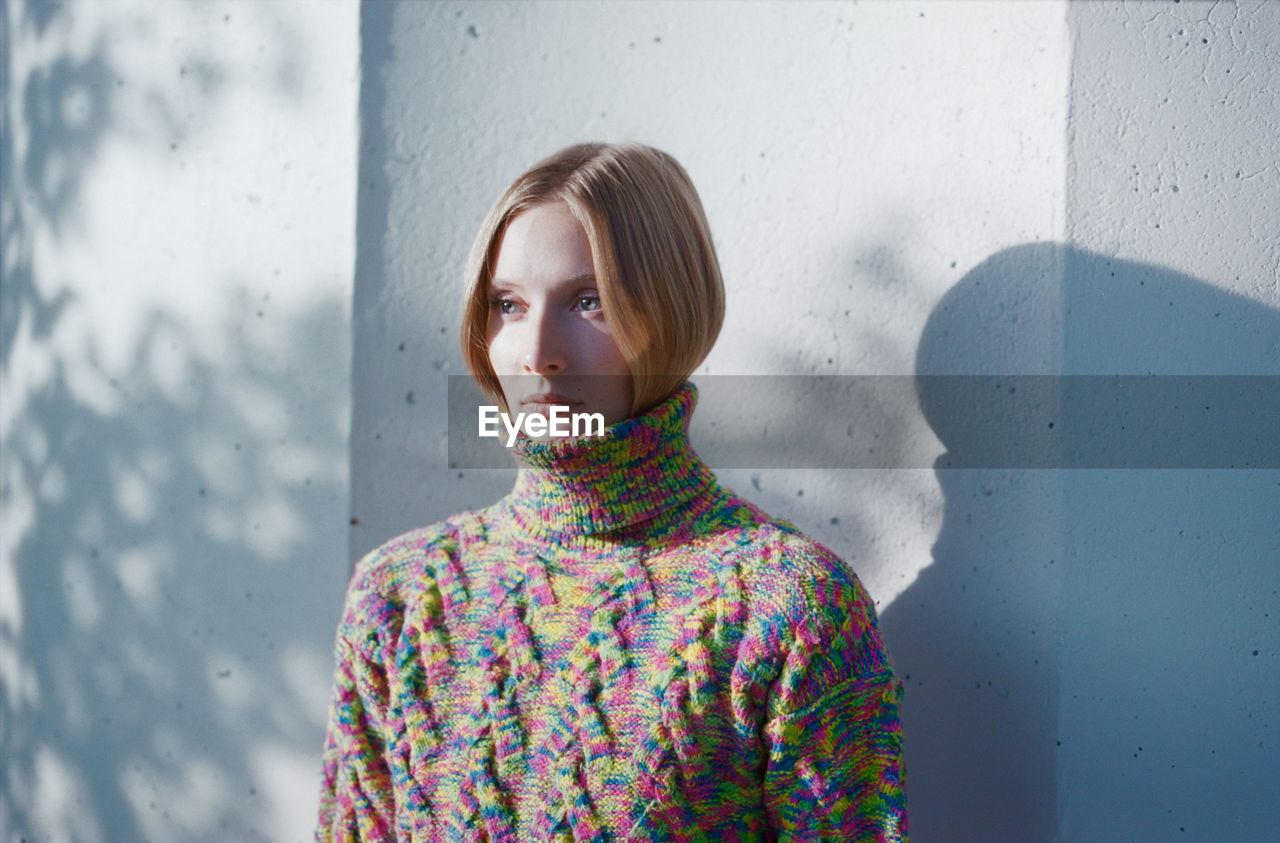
{"type": "Point", "coordinates": [159, 653]}
{"type": "Point", "coordinates": [164, 656]}
{"type": "Point", "coordinates": [1008, 676]}
{"type": "Point", "coordinates": [65, 106]}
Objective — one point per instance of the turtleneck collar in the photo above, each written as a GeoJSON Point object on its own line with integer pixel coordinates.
{"type": "Point", "coordinates": [639, 468]}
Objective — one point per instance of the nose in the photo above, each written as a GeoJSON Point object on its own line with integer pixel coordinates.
{"type": "Point", "coordinates": [544, 352]}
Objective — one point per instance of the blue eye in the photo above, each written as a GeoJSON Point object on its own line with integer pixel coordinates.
{"type": "Point", "coordinates": [588, 303]}
{"type": "Point", "coordinates": [506, 306]}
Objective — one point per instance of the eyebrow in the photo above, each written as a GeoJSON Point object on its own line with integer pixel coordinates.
{"type": "Point", "coordinates": [583, 278]}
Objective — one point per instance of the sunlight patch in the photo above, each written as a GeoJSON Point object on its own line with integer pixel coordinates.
{"type": "Point", "coordinates": [290, 782]}
{"type": "Point", "coordinates": [60, 800]}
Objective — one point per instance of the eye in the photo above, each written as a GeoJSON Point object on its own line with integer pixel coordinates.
{"type": "Point", "coordinates": [589, 302]}
{"type": "Point", "coordinates": [504, 306]}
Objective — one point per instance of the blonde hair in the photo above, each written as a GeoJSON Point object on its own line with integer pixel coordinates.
{"type": "Point", "coordinates": [656, 267]}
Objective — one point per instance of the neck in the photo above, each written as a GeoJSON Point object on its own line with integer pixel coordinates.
{"type": "Point", "coordinates": [636, 471]}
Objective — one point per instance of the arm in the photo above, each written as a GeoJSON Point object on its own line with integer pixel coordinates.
{"type": "Point", "coordinates": [356, 797]}
{"type": "Point", "coordinates": [833, 733]}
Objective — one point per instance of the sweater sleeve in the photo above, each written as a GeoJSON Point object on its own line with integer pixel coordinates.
{"type": "Point", "coordinates": [356, 797]}
{"type": "Point", "coordinates": [834, 770]}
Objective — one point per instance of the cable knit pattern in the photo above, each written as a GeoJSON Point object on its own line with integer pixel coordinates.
{"type": "Point", "coordinates": [620, 649]}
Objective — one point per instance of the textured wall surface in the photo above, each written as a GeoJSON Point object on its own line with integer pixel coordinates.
{"type": "Point", "coordinates": [177, 192]}
{"type": "Point", "coordinates": [933, 188]}
{"type": "Point", "coordinates": [856, 160]}
{"type": "Point", "coordinates": [894, 188]}
{"type": "Point", "coordinates": [1169, 695]}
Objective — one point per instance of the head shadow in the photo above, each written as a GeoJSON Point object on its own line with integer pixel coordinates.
{"type": "Point", "coordinates": [989, 638]}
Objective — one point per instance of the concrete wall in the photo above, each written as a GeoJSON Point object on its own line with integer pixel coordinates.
{"type": "Point", "coordinates": [856, 160]}
{"type": "Point", "coordinates": [896, 188]}
{"type": "Point", "coordinates": [178, 239]}
{"type": "Point", "coordinates": [1169, 703]}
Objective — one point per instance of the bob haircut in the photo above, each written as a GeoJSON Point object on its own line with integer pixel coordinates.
{"type": "Point", "coordinates": [656, 267]}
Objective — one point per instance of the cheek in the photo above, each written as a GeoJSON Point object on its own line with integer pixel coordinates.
{"type": "Point", "coordinates": [499, 351]}
{"type": "Point", "coordinates": [618, 362]}
{"type": "Point", "coordinates": [606, 357]}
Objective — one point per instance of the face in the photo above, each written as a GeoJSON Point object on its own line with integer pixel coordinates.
{"type": "Point", "coordinates": [549, 343]}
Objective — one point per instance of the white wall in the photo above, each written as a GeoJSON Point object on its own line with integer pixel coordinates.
{"type": "Point", "coordinates": [856, 160]}
{"type": "Point", "coordinates": [178, 241]}
{"type": "Point", "coordinates": [921, 188]}
{"type": "Point", "coordinates": [1169, 709]}
{"type": "Point", "coordinates": [895, 188]}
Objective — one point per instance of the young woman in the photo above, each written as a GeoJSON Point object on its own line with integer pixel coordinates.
{"type": "Point", "coordinates": [620, 649]}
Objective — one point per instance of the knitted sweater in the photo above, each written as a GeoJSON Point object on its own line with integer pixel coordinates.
{"type": "Point", "coordinates": [620, 649]}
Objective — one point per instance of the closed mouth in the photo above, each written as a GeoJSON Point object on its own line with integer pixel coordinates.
{"type": "Point", "coordinates": [550, 399]}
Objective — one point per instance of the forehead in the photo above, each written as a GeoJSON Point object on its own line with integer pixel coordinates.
{"type": "Point", "coordinates": [544, 244]}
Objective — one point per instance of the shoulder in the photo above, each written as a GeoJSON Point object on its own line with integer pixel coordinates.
{"type": "Point", "coordinates": [793, 575]}
{"type": "Point", "coordinates": [808, 611]}
{"type": "Point", "coordinates": [415, 572]}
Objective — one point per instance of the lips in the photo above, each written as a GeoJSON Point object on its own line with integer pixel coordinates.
{"type": "Point", "coordinates": [547, 399]}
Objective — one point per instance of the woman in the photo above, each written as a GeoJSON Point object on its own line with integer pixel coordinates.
{"type": "Point", "coordinates": [620, 648]}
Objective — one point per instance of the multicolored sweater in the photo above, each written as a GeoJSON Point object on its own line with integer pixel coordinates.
{"type": "Point", "coordinates": [620, 649]}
